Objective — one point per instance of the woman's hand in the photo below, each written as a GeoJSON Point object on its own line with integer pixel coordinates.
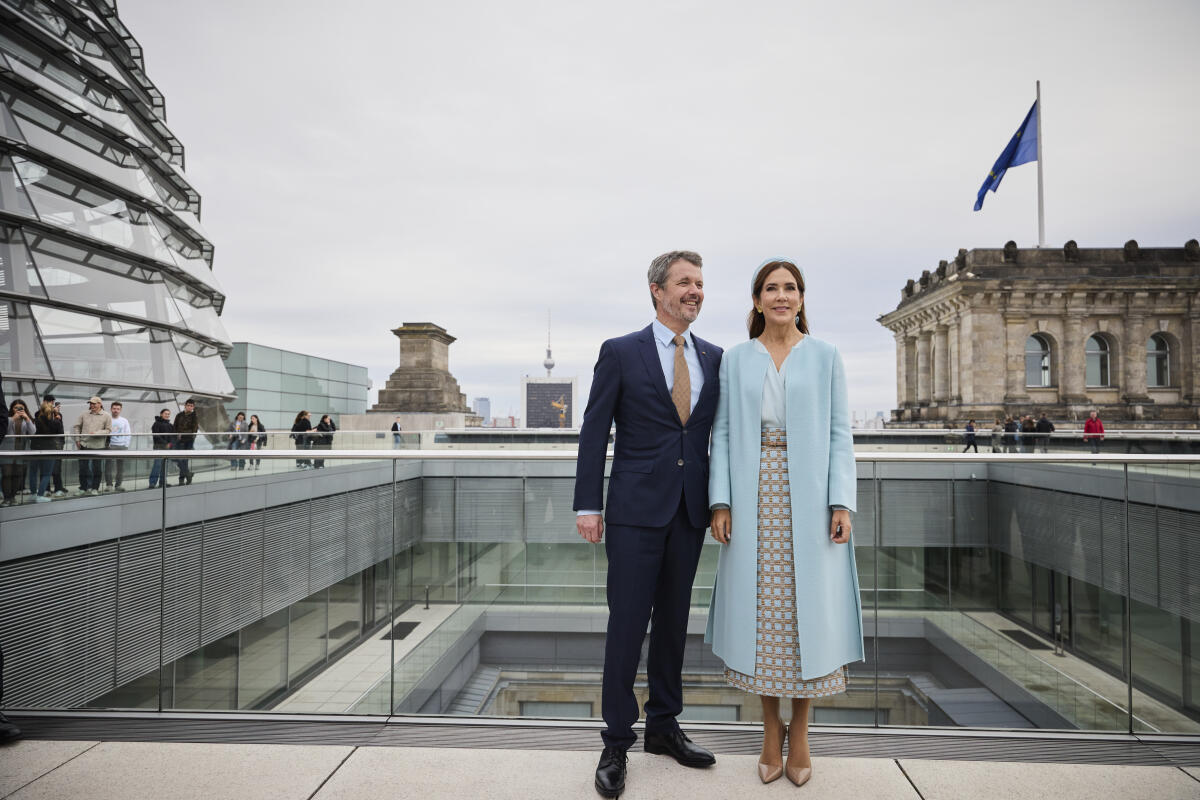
{"type": "Point", "coordinates": [839, 526]}
{"type": "Point", "coordinates": [722, 524]}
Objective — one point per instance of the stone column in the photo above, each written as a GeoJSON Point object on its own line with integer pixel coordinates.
{"type": "Point", "coordinates": [910, 370]}
{"type": "Point", "coordinates": [1189, 360]}
{"type": "Point", "coordinates": [902, 398]}
{"type": "Point", "coordinates": [924, 373]}
{"type": "Point", "coordinates": [1073, 360]}
{"type": "Point", "coordinates": [941, 364]}
{"type": "Point", "coordinates": [1014, 357]}
{"type": "Point", "coordinates": [1134, 373]}
{"type": "Point", "coordinates": [955, 388]}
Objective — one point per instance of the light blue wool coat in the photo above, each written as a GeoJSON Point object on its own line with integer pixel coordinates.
{"type": "Point", "coordinates": [820, 454]}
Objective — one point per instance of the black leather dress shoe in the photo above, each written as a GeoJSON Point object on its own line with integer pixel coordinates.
{"type": "Point", "coordinates": [610, 772]}
{"type": "Point", "coordinates": [680, 747]}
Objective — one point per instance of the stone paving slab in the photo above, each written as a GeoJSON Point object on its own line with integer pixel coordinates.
{"type": "Point", "coordinates": [157, 770]}
{"type": "Point", "coordinates": [968, 780]}
{"type": "Point", "coordinates": [444, 773]}
{"type": "Point", "coordinates": [24, 761]}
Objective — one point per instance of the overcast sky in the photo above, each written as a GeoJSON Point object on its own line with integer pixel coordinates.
{"type": "Point", "coordinates": [475, 164]}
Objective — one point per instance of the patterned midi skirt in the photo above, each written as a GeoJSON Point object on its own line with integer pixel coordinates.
{"type": "Point", "coordinates": [777, 646]}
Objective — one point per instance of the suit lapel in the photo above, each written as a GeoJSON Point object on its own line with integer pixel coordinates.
{"type": "Point", "coordinates": [711, 386]}
{"type": "Point", "coordinates": [649, 350]}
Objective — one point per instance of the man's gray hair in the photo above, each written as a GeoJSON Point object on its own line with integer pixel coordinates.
{"type": "Point", "coordinates": [659, 267]}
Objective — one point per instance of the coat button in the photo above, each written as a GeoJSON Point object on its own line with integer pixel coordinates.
{"type": "Point", "coordinates": [679, 462]}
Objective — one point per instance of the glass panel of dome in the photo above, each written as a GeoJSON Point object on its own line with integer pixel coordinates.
{"type": "Point", "coordinates": [8, 126]}
{"type": "Point", "coordinates": [21, 351]}
{"type": "Point", "coordinates": [204, 365]}
{"type": "Point", "coordinates": [89, 348]}
{"type": "Point", "coordinates": [13, 197]}
{"type": "Point", "coordinates": [77, 284]}
{"type": "Point", "coordinates": [67, 142]}
{"type": "Point", "coordinates": [17, 273]}
{"type": "Point", "coordinates": [198, 312]}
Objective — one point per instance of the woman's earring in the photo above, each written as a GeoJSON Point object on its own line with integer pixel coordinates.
{"type": "Point", "coordinates": [757, 309]}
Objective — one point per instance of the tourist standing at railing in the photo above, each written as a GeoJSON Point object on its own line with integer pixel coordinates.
{"type": "Point", "coordinates": [239, 438]}
{"type": "Point", "coordinates": [970, 436]}
{"type": "Point", "coordinates": [301, 436]}
{"type": "Point", "coordinates": [659, 385]}
{"type": "Point", "coordinates": [324, 439]}
{"type": "Point", "coordinates": [785, 615]}
{"type": "Point", "coordinates": [21, 429]}
{"type": "Point", "coordinates": [120, 439]}
{"type": "Point", "coordinates": [58, 443]}
{"type": "Point", "coordinates": [187, 425]}
{"type": "Point", "coordinates": [1093, 430]}
{"type": "Point", "coordinates": [49, 426]}
{"type": "Point", "coordinates": [163, 433]}
{"type": "Point", "coordinates": [257, 437]}
{"type": "Point", "coordinates": [91, 434]}
{"type": "Point", "coordinates": [997, 435]}
{"type": "Point", "coordinates": [1010, 434]}
{"type": "Point", "coordinates": [1028, 439]}
{"type": "Point", "coordinates": [396, 441]}
{"type": "Point", "coordinates": [1044, 428]}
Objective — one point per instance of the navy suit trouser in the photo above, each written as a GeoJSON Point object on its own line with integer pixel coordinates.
{"type": "Point", "coordinates": [650, 574]}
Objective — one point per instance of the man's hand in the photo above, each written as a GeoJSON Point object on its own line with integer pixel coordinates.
{"type": "Point", "coordinates": [839, 526]}
{"type": "Point", "coordinates": [722, 524]}
{"type": "Point", "coordinates": [591, 527]}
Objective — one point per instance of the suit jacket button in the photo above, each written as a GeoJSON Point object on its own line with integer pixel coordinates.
{"type": "Point", "coordinates": [679, 462]}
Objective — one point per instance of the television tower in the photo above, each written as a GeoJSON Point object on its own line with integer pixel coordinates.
{"type": "Point", "coordinates": [549, 362]}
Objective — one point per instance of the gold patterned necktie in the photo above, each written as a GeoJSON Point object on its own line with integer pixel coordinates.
{"type": "Point", "coordinates": [681, 389]}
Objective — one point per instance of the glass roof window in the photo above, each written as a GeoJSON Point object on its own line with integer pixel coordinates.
{"type": "Point", "coordinates": [204, 365]}
{"type": "Point", "coordinates": [70, 142]}
{"type": "Point", "coordinates": [199, 312]}
{"type": "Point", "coordinates": [17, 273]}
{"type": "Point", "coordinates": [13, 197]}
{"type": "Point", "coordinates": [117, 119]}
{"type": "Point", "coordinates": [88, 348]}
{"type": "Point", "coordinates": [132, 291]}
{"type": "Point", "coordinates": [61, 200]}
{"type": "Point", "coordinates": [21, 350]}
{"type": "Point", "coordinates": [65, 76]}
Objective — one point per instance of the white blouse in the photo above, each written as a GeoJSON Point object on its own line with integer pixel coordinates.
{"type": "Point", "coordinates": [774, 396]}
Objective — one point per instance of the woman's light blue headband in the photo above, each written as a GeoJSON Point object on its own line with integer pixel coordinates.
{"type": "Point", "coordinates": [772, 260]}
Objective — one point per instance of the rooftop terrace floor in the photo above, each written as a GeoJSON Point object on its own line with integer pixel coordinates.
{"type": "Point", "coordinates": [217, 756]}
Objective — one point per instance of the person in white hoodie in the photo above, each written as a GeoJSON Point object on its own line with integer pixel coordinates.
{"type": "Point", "coordinates": [120, 439]}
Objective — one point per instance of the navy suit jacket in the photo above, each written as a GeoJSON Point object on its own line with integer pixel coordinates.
{"type": "Point", "coordinates": [656, 458]}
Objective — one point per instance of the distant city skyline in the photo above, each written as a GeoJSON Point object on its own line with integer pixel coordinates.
{"type": "Point", "coordinates": [475, 165]}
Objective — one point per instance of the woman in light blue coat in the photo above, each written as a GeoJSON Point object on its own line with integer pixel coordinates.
{"type": "Point", "coordinates": [785, 615]}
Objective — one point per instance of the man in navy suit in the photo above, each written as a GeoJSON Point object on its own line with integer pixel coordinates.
{"type": "Point", "coordinates": [660, 386]}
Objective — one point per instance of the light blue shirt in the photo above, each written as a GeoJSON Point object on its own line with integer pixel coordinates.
{"type": "Point", "coordinates": [666, 356]}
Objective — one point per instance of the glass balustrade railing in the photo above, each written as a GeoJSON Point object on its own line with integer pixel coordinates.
{"type": "Point", "coordinates": [998, 591]}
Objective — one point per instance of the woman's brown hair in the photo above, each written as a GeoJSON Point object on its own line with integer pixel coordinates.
{"type": "Point", "coordinates": [756, 322]}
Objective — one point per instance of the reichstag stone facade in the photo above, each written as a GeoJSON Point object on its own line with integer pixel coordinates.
{"type": "Point", "coordinates": [1063, 330]}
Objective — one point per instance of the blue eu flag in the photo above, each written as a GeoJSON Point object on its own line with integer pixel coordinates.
{"type": "Point", "coordinates": [1021, 150]}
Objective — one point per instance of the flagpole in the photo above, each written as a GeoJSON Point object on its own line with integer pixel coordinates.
{"type": "Point", "coordinates": [1041, 207]}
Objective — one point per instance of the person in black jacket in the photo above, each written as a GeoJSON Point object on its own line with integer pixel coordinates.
{"type": "Point", "coordinates": [302, 437]}
{"type": "Point", "coordinates": [48, 426]}
{"type": "Point", "coordinates": [163, 433]}
{"type": "Point", "coordinates": [1010, 435]}
{"type": "Point", "coordinates": [186, 426]}
{"type": "Point", "coordinates": [258, 438]}
{"type": "Point", "coordinates": [324, 440]}
{"type": "Point", "coordinates": [1044, 428]}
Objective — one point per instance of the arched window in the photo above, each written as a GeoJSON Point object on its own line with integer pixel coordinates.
{"type": "Point", "coordinates": [1037, 361]}
{"type": "Point", "coordinates": [1097, 361]}
{"type": "Point", "coordinates": [1158, 361]}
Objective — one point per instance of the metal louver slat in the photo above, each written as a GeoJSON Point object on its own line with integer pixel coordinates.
{"type": "Point", "coordinates": [488, 510]}
{"type": "Point", "coordinates": [915, 513]}
{"type": "Point", "coordinates": [1143, 554]}
{"type": "Point", "coordinates": [1179, 584]}
{"type": "Point", "coordinates": [407, 513]}
{"type": "Point", "coordinates": [231, 593]}
{"type": "Point", "coordinates": [382, 523]}
{"type": "Point", "coordinates": [285, 556]}
{"type": "Point", "coordinates": [181, 591]}
{"type": "Point", "coordinates": [138, 611]}
{"type": "Point", "coordinates": [360, 537]}
{"type": "Point", "coordinates": [1112, 529]}
{"type": "Point", "coordinates": [437, 507]}
{"type": "Point", "coordinates": [328, 561]}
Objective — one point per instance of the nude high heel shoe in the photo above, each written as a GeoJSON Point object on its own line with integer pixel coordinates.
{"type": "Point", "coordinates": [771, 772]}
{"type": "Point", "coordinates": [797, 775]}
